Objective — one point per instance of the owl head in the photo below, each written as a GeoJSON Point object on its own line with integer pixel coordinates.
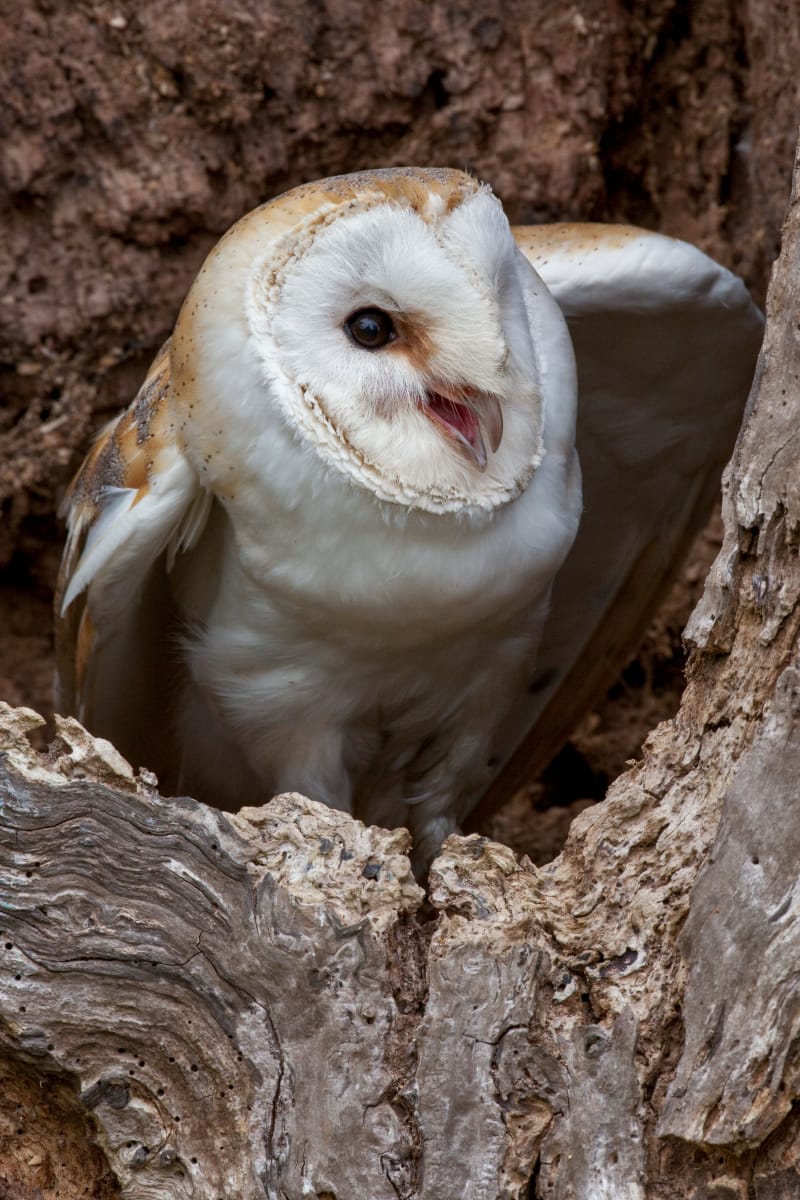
{"type": "Point", "coordinates": [389, 321]}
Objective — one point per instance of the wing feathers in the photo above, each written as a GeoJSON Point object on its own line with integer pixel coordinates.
{"type": "Point", "coordinates": [666, 342]}
{"type": "Point", "coordinates": [135, 497]}
{"type": "Point", "coordinates": [190, 528]}
{"type": "Point", "coordinates": [133, 526]}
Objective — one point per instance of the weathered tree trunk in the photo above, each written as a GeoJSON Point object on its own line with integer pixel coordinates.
{"type": "Point", "coordinates": [260, 1005]}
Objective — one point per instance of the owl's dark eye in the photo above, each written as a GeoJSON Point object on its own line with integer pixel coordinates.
{"type": "Point", "coordinates": [371, 328]}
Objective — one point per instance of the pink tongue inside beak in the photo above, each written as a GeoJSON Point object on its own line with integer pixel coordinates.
{"type": "Point", "coordinates": [463, 422]}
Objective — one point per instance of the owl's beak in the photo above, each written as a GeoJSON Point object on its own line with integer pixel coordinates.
{"type": "Point", "coordinates": [469, 417]}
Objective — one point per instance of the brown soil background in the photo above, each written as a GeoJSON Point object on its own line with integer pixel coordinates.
{"type": "Point", "coordinates": [134, 134]}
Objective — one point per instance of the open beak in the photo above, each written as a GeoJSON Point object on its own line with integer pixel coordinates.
{"type": "Point", "coordinates": [470, 417]}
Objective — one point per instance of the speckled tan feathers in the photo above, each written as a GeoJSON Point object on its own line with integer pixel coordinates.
{"type": "Point", "coordinates": [124, 455]}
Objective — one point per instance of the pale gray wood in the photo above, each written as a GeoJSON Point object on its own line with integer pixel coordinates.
{"type": "Point", "coordinates": [487, 969]}
{"type": "Point", "coordinates": [595, 1146]}
{"type": "Point", "coordinates": [224, 988]}
{"type": "Point", "coordinates": [738, 1076]}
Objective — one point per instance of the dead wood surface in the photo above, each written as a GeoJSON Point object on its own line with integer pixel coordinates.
{"type": "Point", "coordinates": [261, 1005]}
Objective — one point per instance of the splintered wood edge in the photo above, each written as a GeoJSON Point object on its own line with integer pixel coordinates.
{"type": "Point", "coordinates": [262, 976]}
{"type": "Point", "coordinates": [195, 973]}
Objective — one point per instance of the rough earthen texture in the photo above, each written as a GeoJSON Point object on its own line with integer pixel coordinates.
{"type": "Point", "coordinates": [46, 1138]}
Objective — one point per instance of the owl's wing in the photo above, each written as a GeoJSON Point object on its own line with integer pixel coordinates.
{"type": "Point", "coordinates": [666, 343]}
{"type": "Point", "coordinates": [134, 504]}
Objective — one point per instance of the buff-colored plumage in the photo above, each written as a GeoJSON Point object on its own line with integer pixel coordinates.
{"type": "Point", "coordinates": [299, 561]}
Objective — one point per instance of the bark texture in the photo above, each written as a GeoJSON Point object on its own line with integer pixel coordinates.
{"type": "Point", "coordinates": [261, 1005]}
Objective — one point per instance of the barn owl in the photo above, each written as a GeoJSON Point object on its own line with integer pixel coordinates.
{"type": "Point", "coordinates": [331, 546]}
